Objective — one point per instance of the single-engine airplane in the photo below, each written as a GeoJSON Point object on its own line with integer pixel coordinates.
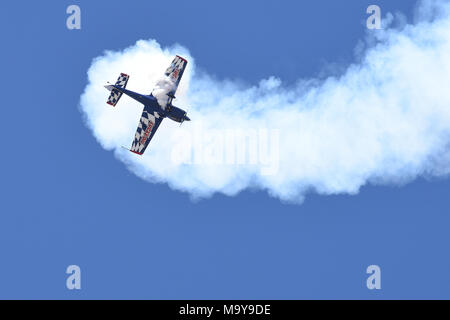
{"type": "Point", "coordinates": [157, 105]}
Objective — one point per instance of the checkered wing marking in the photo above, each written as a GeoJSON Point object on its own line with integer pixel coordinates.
{"type": "Point", "coordinates": [115, 94]}
{"type": "Point", "coordinates": [148, 124]}
{"type": "Point", "coordinates": [175, 72]}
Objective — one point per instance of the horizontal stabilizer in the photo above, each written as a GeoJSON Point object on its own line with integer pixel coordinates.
{"type": "Point", "coordinates": [115, 95]}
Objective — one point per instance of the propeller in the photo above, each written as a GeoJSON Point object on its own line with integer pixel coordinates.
{"type": "Point", "coordinates": [184, 117]}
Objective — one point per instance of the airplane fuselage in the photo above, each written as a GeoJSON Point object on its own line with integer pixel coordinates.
{"type": "Point", "coordinates": [169, 111]}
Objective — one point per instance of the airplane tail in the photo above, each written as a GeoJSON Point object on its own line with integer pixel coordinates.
{"type": "Point", "coordinates": [115, 95]}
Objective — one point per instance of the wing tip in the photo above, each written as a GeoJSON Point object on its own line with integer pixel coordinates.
{"type": "Point", "coordinates": [132, 151]}
{"type": "Point", "coordinates": [182, 58]}
{"type": "Point", "coordinates": [136, 152]}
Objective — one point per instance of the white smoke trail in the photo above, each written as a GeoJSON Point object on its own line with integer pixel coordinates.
{"type": "Point", "coordinates": [385, 120]}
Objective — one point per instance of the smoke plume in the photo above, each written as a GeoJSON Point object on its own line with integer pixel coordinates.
{"type": "Point", "coordinates": [385, 120]}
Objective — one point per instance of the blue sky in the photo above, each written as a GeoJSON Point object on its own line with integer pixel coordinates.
{"type": "Point", "coordinates": [65, 200]}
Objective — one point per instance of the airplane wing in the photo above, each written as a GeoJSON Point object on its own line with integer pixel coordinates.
{"type": "Point", "coordinates": [148, 124]}
{"type": "Point", "coordinates": [165, 89]}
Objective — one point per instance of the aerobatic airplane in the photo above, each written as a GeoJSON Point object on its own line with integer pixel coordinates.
{"type": "Point", "coordinates": [157, 105]}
